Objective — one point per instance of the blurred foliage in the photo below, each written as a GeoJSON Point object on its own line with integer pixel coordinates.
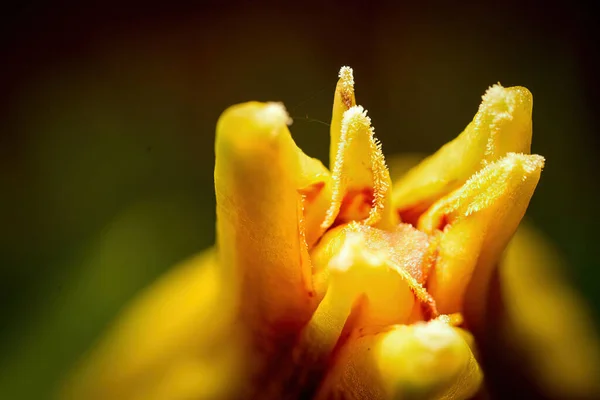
{"type": "Point", "coordinates": [107, 153]}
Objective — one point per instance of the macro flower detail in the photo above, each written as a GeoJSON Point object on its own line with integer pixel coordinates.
{"type": "Point", "coordinates": [331, 283]}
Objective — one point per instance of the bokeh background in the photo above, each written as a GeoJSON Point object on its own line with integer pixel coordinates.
{"type": "Point", "coordinates": [108, 117]}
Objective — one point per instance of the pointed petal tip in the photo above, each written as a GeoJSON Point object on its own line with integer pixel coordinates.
{"type": "Point", "coordinates": [504, 101]}
{"type": "Point", "coordinates": [346, 73]}
{"type": "Point", "coordinates": [346, 76]}
{"type": "Point", "coordinates": [355, 118]}
{"type": "Point", "coordinates": [528, 164]}
{"type": "Point", "coordinates": [498, 179]}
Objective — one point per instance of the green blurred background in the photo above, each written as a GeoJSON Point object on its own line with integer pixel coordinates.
{"type": "Point", "coordinates": [108, 116]}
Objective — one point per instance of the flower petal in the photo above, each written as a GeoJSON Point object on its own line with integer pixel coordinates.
{"type": "Point", "coordinates": [261, 181]}
{"type": "Point", "coordinates": [477, 221]}
{"type": "Point", "coordinates": [343, 100]}
{"type": "Point", "coordinates": [502, 125]}
{"type": "Point", "coordinates": [431, 360]}
{"type": "Point", "coordinates": [367, 277]}
{"type": "Point", "coordinates": [361, 180]}
{"type": "Point", "coordinates": [166, 341]}
{"type": "Point", "coordinates": [544, 325]}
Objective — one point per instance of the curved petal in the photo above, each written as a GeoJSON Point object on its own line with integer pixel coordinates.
{"type": "Point", "coordinates": [167, 340]}
{"type": "Point", "coordinates": [261, 181]}
{"type": "Point", "coordinates": [430, 360]}
{"type": "Point", "coordinates": [544, 326]}
{"type": "Point", "coordinates": [477, 221]}
{"type": "Point", "coordinates": [501, 125]}
{"type": "Point", "coordinates": [361, 180]}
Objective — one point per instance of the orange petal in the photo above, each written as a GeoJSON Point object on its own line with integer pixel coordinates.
{"type": "Point", "coordinates": [259, 177]}
{"type": "Point", "coordinates": [361, 180]}
{"type": "Point", "coordinates": [477, 221]}
{"type": "Point", "coordinates": [502, 125]}
{"type": "Point", "coordinates": [430, 360]}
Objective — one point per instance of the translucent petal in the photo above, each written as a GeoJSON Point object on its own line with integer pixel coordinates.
{"type": "Point", "coordinates": [477, 221]}
{"type": "Point", "coordinates": [430, 360]}
{"type": "Point", "coordinates": [502, 125]}
{"type": "Point", "coordinates": [167, 340]}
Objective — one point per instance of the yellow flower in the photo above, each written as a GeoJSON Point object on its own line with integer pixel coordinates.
{"type": "Point", "coordinates": [331, 283]}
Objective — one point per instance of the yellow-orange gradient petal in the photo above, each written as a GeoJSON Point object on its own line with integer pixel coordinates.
{"type": "Point", "coordinates": [426, 360]}
{"type": "Point", "coordinates": [260, 174]}
{"type": "Point", "coordinates": [501, 125]}
{"type": "Point", "coordinates": [361, 180]}
{"type": "Point", "coordinates": [175, 341]}
{"type": "Point", "coordinates": [477, 221]}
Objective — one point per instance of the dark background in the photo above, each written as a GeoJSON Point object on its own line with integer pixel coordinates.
{"type": "Point", "coordinates": [108, 116]}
